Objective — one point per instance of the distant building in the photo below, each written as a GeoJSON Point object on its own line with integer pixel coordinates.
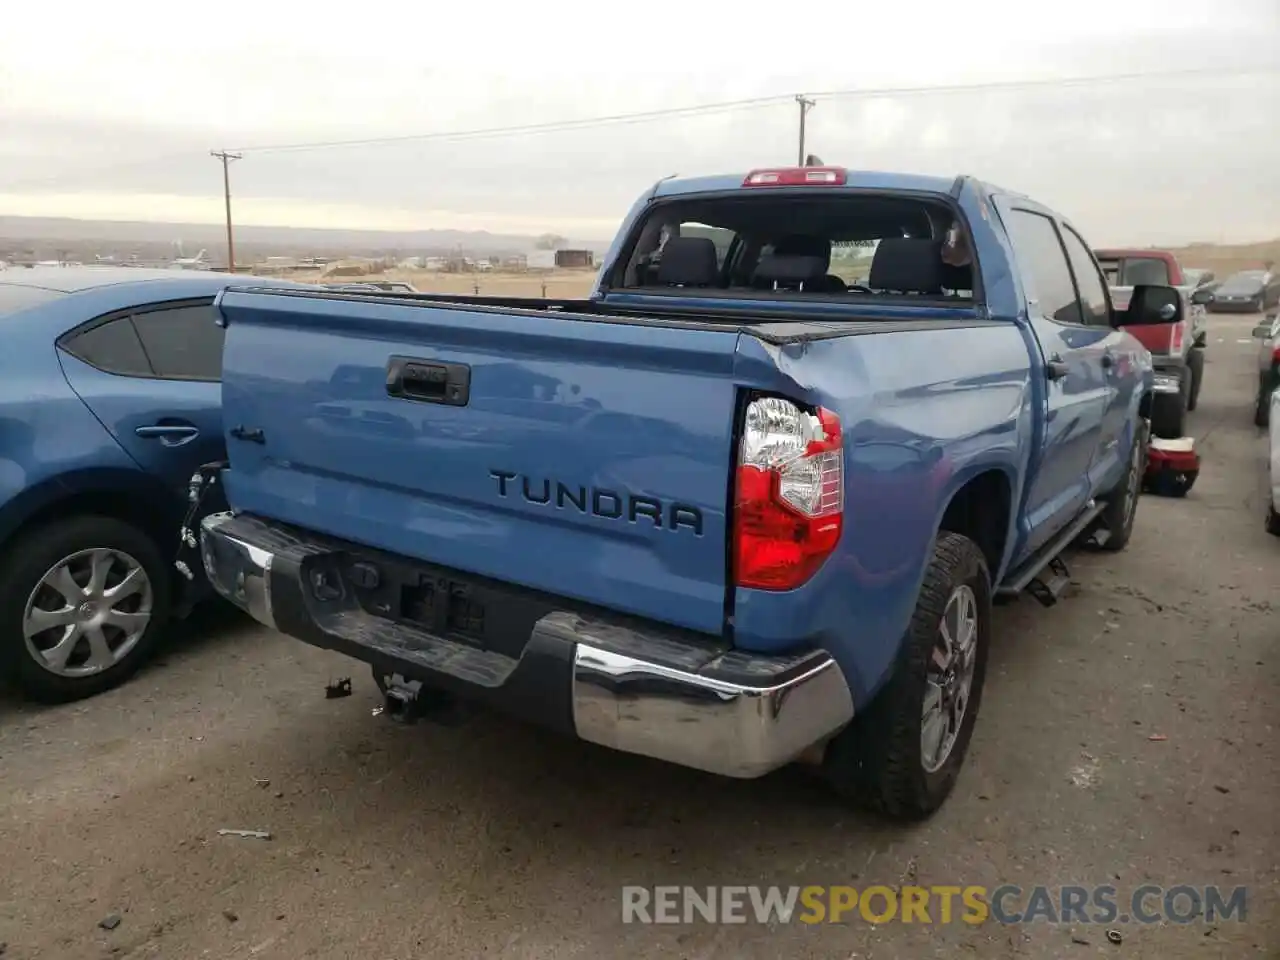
{"type": "Point", "coordinates": [541, 260]}
{"type": "Point", "coordinates": [575, 259]}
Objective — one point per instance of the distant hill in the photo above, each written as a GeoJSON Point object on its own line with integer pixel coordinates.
{"type": "Point", "coordinates": [1225, 259]}
{"type": "Point", "coordinates": [53, 237]}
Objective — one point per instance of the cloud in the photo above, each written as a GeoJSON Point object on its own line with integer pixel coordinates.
{"type": "Point", "coordinates": [119, 113]}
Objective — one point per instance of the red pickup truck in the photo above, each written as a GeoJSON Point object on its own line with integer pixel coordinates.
{"type": "Point", "coordinates": [1177, 349]}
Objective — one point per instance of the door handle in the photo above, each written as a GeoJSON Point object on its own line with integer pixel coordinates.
{"type": "Point", "coordinates": [1056, 368]}
{"type": "Point", "coordinates": [168, 431]}
{"type": "Point", "coordinates": [169, 434]}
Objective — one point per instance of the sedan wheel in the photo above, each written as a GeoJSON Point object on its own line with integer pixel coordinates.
{"type": "Point", "coordinates": [83, 602]}
{"type": "Point", "coordinates": [88, 612]}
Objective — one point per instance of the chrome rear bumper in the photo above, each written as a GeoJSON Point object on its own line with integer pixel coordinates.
{"type": "Point", "coordinates": [636, 688]}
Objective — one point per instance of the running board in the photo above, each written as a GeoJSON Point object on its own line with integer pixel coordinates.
{"type": "Point", "coordinates": [1046, 575]}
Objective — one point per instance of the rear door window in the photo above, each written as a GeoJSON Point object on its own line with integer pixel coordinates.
{"type": "Point", "coordinates": [1042, 263]}
{"type": "Point", "coordinates": [1090, 288]}
{"type": "Point", "coordinates": [182, 343]}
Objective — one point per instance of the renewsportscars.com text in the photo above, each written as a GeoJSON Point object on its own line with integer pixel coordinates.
{"type": "Point", "coordinates": [972, 905]}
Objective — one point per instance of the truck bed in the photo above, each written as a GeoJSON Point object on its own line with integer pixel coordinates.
{"type": "Point", "coordinates": [790, 322]}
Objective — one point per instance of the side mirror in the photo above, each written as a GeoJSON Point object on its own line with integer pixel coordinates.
{"type": "Point", "coordinates": [1262, 331]}
{"type": "Point", "coordinates": [1151, 304]}
{"type": "Point", "coordinates": [1201, 296]}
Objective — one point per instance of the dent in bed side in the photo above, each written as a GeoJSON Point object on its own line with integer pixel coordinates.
{"type": "Point", "coordinates": [917, 431]}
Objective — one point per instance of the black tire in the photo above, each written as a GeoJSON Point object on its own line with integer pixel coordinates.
{"type": "Point", "coordinates": [1122, 503]}
{"type": "Point", "coordinates": [878, 760]}
{"type": "Point", "coordinates": [1169, 412]}
{"type": "Point", "coordinates": [1195, 364]}
{"type": "Point", "coordinates": [24, 565]}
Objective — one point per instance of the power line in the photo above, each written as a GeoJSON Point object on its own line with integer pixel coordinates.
{"type": "Point", "coordinates": [706, 109]}
{"type": "Point", "coordinates": [752, 103]}
{"type": "Point", "coordinates": [554, 126]}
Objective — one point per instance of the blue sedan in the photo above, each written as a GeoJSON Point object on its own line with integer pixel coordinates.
{"type": "Point", "coordinates": [109, 401]}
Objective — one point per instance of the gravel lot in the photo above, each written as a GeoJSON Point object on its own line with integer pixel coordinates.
{"type": "Point", "coordinates": [493, 839]}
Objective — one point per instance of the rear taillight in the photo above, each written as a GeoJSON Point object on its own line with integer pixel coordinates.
{"type": "Point", "coordinates": [1175, 337]}
{"type": "Point", "coordinates": [789, 501]}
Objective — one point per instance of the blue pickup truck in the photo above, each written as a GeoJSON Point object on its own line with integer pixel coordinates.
{"type": "Point", "coordinates": [748, 504]}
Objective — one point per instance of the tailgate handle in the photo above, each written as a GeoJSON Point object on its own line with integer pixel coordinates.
{"type": "Point", "coordinates": [429, 382]}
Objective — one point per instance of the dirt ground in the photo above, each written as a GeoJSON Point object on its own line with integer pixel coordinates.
{"type": "Point", "coordinates": [1128, 736]}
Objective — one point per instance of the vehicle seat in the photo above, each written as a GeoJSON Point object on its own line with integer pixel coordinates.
{"type": "Point", "coordinates": [798, 245]}
{"type": "Point", "coordinates": [775, 272]}
{"type": "Point", "coordinates": [957, 279]}
{"type": "Point", "coordinates": [689, 262]}
{"type": "Point", "coordinates": [908, 265]}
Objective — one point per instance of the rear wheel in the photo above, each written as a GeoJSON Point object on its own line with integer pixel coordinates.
{"type": "Point", "coordinates": [903, 755]}
{"type": "Point", "coordinates": [1262, 404]}
{"type": "Point", "coordinates": [1122, 503]}
{"type": "Point", "coordinates": [1195, 365]}
{"type": "Point", "coordinates": [83, 602]}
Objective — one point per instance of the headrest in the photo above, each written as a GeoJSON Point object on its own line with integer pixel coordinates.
{"type": "Point", "coordinates": [773, 268]}
{"type": "Point", "coordinates": [907, 265]}
{"type": "Point", "coordinates": [797, 245]}
{"type": "Point", "coordinates": [689, 262]}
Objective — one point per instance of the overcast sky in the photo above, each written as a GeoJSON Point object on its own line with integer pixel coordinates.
{"type": "Point", "coordinates": [109, 111]}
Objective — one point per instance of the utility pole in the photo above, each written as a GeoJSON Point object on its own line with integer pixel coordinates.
{"type": "Point", "coordinates": [226, 159]}
{"type": "Point", "coordinates": [805, 105]}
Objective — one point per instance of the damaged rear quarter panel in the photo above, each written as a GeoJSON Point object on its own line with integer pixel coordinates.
{"type": "Point", "coordinates": [922, 412]}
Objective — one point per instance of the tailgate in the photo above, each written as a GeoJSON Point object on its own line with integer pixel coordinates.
{"type": "Point", "coordinates": [589, 459]}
